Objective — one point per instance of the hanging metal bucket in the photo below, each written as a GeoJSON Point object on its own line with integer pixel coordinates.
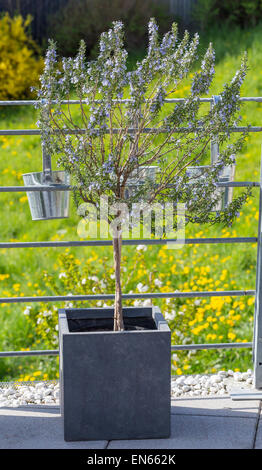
{"type": "Point", "coordinates": [45, 205]}
{"type": "Point", "coordinates": [226, 175]}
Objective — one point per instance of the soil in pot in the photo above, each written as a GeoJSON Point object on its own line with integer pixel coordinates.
{"type": "Point", "coordinates": [107, 324]}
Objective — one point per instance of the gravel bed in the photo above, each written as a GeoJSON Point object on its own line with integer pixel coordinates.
{"type": "Point", "coordinates": [210, 385]}
{"type": "Point", "coordinates": [40, 393]}
{"type": "Point", "coordinates": [47, 393]}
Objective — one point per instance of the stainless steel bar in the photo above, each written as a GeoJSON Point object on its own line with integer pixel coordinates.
{"type": "Point", "coordinates": [190, 347]}
{"type": "Point", "coordinates": [169, 295]}
{"type": "Point", "coordinates": [180, 347]}
{"type": "Point", "coordinates": [131, 130]}
{"type": "Point", "coordinates": [19, 189]}
{"type": "Point", "coordinates": [257, 330]}
{"type": "Point", "coordinates": [187, 241]}
{"type": "Point", "coordinates": [167, 100]}
{"type": "Point", "coordinates": [242, 394]}
{"type": "Point", "coordinates": [125, 100]}
{"type": "Point", "coordinates": [29, 353]}
{"type": "Point", "coordinates": [214, 147]}
{"type": "Point", "coordinates": [239, 184]}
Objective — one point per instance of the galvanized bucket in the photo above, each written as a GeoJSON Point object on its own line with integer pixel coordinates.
{"type": "Point", "coordinates": [226, 175]}
{"type": "Point", "coordinates": [143, 173]}
{"type": "Point", "coordinates": [45, 205]}
{"type": "Point", "coordinates": [138, 177]}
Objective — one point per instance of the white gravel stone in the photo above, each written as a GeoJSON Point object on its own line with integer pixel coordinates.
{"type": "Point", "coordinates": [238, 376]}
{"type": "Point", "coordinates": [222, 373]}
{"type": "Point", "coordinates": [197, 386]}
{"type": "Point", "coordinates": [180, 380]}
{"type": "Point", "coordinates": [189, 380]}
{"type": "Point", "coordinates": [4, 403]}
{"type": "Point", "coordinates": [245, 376]}
{"type": "Point", "coordinates": [216, 379]}
{"type": "Point", "coordinates": [43, 393]}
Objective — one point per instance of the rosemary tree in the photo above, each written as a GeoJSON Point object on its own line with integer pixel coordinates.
{"type": "Point", "coordinates": [123, 123]}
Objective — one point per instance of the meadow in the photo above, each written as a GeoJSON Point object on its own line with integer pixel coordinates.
{"type": "Point", "coordinates": [42, 271]}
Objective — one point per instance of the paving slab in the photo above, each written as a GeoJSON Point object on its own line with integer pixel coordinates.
{"type": "Point", "coordinates": [258, 441]}
{"type": "Point", "coordinates": [200, 432]}
{"type": "Point", "coordinates": [216, 406]}
{"type": "Point", "coordinates": [196, 423]}
{"type": "Point", "coordinates": [37, 428]}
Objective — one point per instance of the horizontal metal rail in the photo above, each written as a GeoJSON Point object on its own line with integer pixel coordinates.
{"type": "Point", "coordinates": [51, 352]}
{"type": "Point", "coordinates": [141, 241]}
{"type": "Point", "coordinates": [131, 130]}
{"type": "Point", "coordinates": [145, 295]}
{"type": "Point", "coordinates": [179, 347]}
{"type": "Point", "coordinates": [239, 184]}
{"type": "Point", "coordinates": [19, 189]}
{"type": "Point", "coordinates": [190, 347]}
{"type": "Point", "coordinates": [257, 99]}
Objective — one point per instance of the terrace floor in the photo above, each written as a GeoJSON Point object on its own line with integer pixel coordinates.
{"type": "Point", "coordinates": [197, 423]}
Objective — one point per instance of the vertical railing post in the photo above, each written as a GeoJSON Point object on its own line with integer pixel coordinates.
{"type": "Point", "coordinates": [257, 333]}
{"type": "Point", "coordinates": [214, 147]}
{"type": "Point", "coordinates": [226, 193]}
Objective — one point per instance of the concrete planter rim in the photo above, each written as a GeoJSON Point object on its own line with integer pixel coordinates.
{"type": "Point", "coordinates": [62, 313]}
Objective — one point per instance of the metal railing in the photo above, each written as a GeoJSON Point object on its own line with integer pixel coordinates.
{"type": "Point", "coordinates": [256, 344]}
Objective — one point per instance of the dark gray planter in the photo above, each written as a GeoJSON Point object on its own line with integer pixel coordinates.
{"type": "Point", "coordinates": [114, 385]}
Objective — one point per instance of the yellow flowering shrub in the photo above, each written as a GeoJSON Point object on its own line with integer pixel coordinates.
{"type": "Point", "coordinates": [20, 62]}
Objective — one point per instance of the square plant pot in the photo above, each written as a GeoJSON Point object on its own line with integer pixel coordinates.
{"type": "Point", "coordinates": [114, 385]}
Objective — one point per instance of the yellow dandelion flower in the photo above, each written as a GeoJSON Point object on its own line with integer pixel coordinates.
{"type": "Point", "coordinates": [16, 287]}
{"type": "Point", "coordinates": [37, 373]}
{"type": "Point", "coordinates": [231, 336]}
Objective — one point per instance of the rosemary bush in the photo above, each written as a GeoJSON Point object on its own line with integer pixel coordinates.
{"type": "Point", "coordinates": [108, 140]}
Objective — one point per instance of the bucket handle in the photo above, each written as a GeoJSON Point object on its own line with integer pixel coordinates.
{"type": "Point", "coordinates": [47, 166]}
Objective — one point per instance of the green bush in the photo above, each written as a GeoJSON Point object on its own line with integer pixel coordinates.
{"type": "Point", "coordinates": [243, 13]}
{"type": "Point", "coordinates": [87, 19]}
{"type": "Point", "coordinates": [20, 65]}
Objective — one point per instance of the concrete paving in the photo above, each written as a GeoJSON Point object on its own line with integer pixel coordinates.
{"type": "Point", "coordinates": [196, 423]}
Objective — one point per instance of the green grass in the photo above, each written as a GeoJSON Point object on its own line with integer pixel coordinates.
{"type": "Point", "coordinates": [25, 267]}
